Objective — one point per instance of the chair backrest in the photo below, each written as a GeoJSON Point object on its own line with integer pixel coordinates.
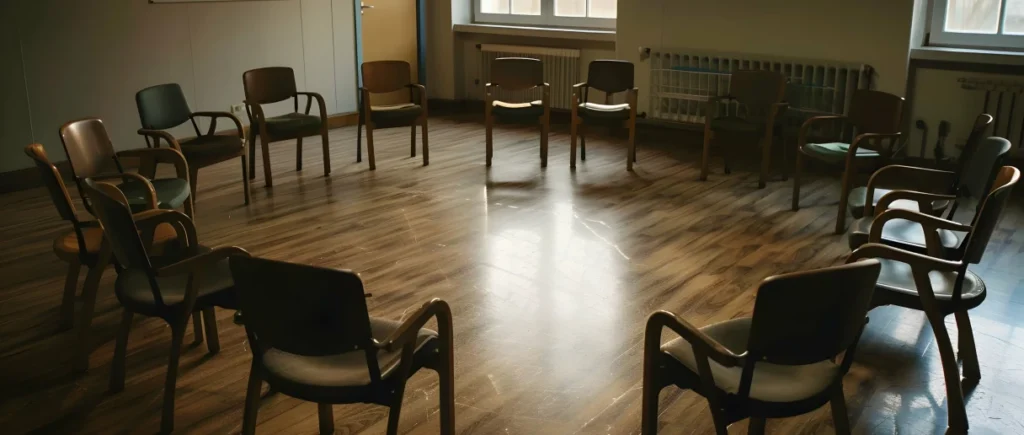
{"type": "Point", "coordinates": [111, 209]}
{"type": "Point", "coordinates": [987, 219]}
{"type": "Point", "coordinates": [385, 76]}
{"type": "Point", "coordinates": [980, 166]}
{"type": "Point", "coordinates": [162, 106]}
{"type": "Point", "coordinates": [758, 88]}
{"type": "Point", "coordinates": [610, 76]}
{"type": "Point", "coordinates": [54, 183]}
{"type": "Point", "coordinates": [812, 316]}
{"type": "Point", "coordinates": [300, 309]}
{"type": "Point", "coordinates": [90, 151]}
{"type": "Point", "coordinates": [515, 73]}
{"type": "Point", "coordinates": [876, 112]}
{"type": "Point", "coordinates": [269, 85]}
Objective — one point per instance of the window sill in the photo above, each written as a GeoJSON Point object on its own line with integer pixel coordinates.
{"type": "Point", "coordinates": [538, 32]}
{"type": "Point", "coordinates": [968, 55]}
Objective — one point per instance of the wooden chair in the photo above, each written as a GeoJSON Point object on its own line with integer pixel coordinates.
{"type": "Point", "coordinates": [518, 74]}
{"type": "Point", "coordinates": [610, 77]}
{"type": "Point", "coordinates": [313, 339]}
{"type": "Point", "coordinates": [163, 107]}
{"type": "Point", "coordinates": [941, 287]}
{"type": "Point", "coordinates": [921, 179]}
{"type": "Point", "coordinates": [972, 181]}
{"type": "Point", "coordinates": [759, 101]}
{"type": "Point", "coordinates": [91, 155]}
{"type": "Point", "coordinates": [782, 362]}
{"type": "Point", "coordinates": [172, 290]}
{"type": "Point", "coordinates": [875, 117]}
{"type": "Point", "coordinates": [82, 246]}
{"type": "Point", "coordinates": [272, 85]}
{"type": "Point", "coordinates": [383, 77]}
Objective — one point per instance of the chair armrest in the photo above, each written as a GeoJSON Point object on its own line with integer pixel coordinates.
{"type": "Point", "coordinates": [811, 122]}
{"type": "Point", "coordinates": [255, 112]}
{"type": "Point", "coordinates": [906, 177]}
{"type": "Point", "coordinates": [157, 136]}
{"type": "Point", "coordinates": [198, 262]}
{"type": "Point", "coordinates": [699, 340]}
{"type": "Point", "coordinates": [918, 261]}
{"type": "Point", "coordinates": [319, 101]}
{"type": "Point", "coordinates": [407, 332]}
{"type": "Point", "coordinates": [116, 192]}
{"type": "Point", "coordinates": [166, 155]}
{"type": "Point", "coordinates": [545, 96]}
{"type": "Point", "coordinates": [930, 224]}
{"type": "Point", "coordinates": [150, 219]}
{"type": "Point", "coordinates": [923, 199]}
{"type": "Point", "coordinates": [364, 98]}
{"type": "Point", "coordinates": [213, 121]}
{"type": "Point", "coordinates": [580, 86]}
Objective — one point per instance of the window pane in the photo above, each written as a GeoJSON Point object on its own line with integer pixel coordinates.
{"type": "Point", "coordinates": [571, 8]}
{"type": "Point", "coordinates": [1014, 17]}
{"type": "Point", "coordinates": [606, 8]}
{"type": "Point", "coordinates": [494, 6]}
{"type": "Point", "coordinates": [526, 7]}
{"type": "Point", "coordinates": [972, 16]}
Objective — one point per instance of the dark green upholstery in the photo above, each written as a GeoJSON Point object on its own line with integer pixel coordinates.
{"type": "Point", "coordinates": [293, 125]}
{"type": "Point", "coordinates": [533, 109]}
{"type": "Point", "coordinates": [171, 193]}
{"type": "Point", "coordinates": [210, 147]}
{"type": "Point", "coordinates": [904, 234]}
{"type": "Point", "coordinates": [162, 107]}
{"type": "Point", "coordinates": [835, 152]}
{"type": "Point", "coordinates": [396, 113]}
{"type": "Point", "coordinates": [604, 111]}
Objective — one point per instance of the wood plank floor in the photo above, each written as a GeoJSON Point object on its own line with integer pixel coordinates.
{"type": "Point", "coordinates": [550, 273]}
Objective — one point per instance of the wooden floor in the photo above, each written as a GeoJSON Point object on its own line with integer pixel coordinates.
{"type": "Point", "coordinates": [550, 273]}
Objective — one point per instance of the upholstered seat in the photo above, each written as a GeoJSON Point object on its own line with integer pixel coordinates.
{"type": "Point", "coordinates": [396, 113]}
{"type": "Point", "coordinates": [134, 291]}
{"type": "Point", "coordinates": [171, 193]}
{"type": "Point", "coordinates": [292, 124]}
{"type": "Point", "coordinates": [771, 382]}
{"type": "Point", "coordinates": [859, 195]}
{"type": "Point", "coordinates": [604, 111]}
{"type": "Point", "coordinates": [836, 151]}
{"type": "Point", "coordinates": [904, 234]}
{"type": "Point", "coordinates": [211, 147]}
{"type": "Point", "coordinates": [532, 109]}
{"type": "Point", "coordinates": [897, 278]}
{"type": "Point", "coordinates": [67, 247]}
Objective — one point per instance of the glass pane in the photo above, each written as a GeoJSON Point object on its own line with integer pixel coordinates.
{"type": "Point", "coordinates": [1014, 17]}
{"type": "Point", "coordinates": [605, 8]}
{"type": "Point", "coordinates": [494, 6]}
{"type": "Point", "coordinates": [526, 7]}
{"type": "Point", "coordinates": [571, 8]}
{"type": "Point", "coordinates": [972, 16]}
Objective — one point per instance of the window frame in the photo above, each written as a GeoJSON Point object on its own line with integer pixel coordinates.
{"type": "Point", "coordinates": [999, 40]}
{"type": "Point", "coordinates": [547, 18]}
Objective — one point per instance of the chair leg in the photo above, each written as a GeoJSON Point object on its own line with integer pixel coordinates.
{"type": "Point", "coordinates": [488, 140]}
{"type": "Point", "coordinates": [210, 320]}
{"type": "Point", "coordinates": [120, 353]}
{"type": "Point", "coordinates": [631, 153]}
{"type": "Point", "coordinates": [705, 161]}
{"type": "Point", "coordinates": [968, 349]}
{"type": "Point", "coordinates": [583, 142]}
{"type": "Point", "coordinates": [89, 290]}
{"type": "Point", "coordinates": [718, 418]}
{"type": "Point", "coordinates": [446, 376]}
{"type": "Point", "coordinates": [766, 161]}
{"type": "Point", "coordinates": [245, 179]}
{"type": "Point", "coordinates": [252, 153]}
{"type": "Point", "coordinates": [651, 390]}
{"type": "Point", "coordinates": [67, 302]}
{"type": "Point", "coordinates": [325, 143]}
{"type": "Point", "coordinates": [326, 414]}
{"type": "Point", "coordinates": [573, 132]}
{"type": "Point", "coordinates": [396, 409]}
{"type": "Point", "coordinates": [167, 417]}
{"type": "Point", "coordinates": [954, 393]}
{"type": "Point", "coordinates": [359, 138]}
{"type": "Point", "coordinates": [843, 195]}
{"type": "Point", "coordinates": [265, 148]}
{"type": "Point", "coordinates": [797, 169]}
{"type": "Point", "coordinates": [197, 327]}
{"type": "Point", "coordinates": [545, 127]}
{"type": "Point", "coordinates": [756, 426]}
{"type": "Point", "coordinates": [369, 146]}
{"type": "Point", "coordinates": [193, 180]}
{"type": "Point", "coordinates": [426, 144]}
{"type": "Point", "coordinates": [298, 154]}
{"type": "Point", "coordinates": [412, 141]}
{"type": "Point", "coordinates": [252, 400]}
{"type": "Point", "coordinates": [840, 416]}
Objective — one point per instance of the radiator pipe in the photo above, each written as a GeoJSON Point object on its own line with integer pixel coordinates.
{"type": "Point", "coordinates": [999, 111]}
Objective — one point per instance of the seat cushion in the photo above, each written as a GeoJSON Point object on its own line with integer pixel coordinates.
{"type": "Point", "coordinates": [771, 382]}
{"type": "Point", "coordinates": [737, 124]}
{"type": "Point", "coordinates": [533, 109]}
{"type": "Point", "coordinates": [171, 193]}
{"type": "Point", "coordinates": [904, 234]}
{"type": "Point", "coordinates": [396, 113]}
{"type": "Point", "coordinates": [604, 111]}
{"type": "Point", "coordinates": [835, 151]}
{"type": "Point", "coordinates": [293, 125]}
{"type": "Point", "coordinates": [858, 196]}
{"type": "Point", "coordinates": [896, 277]}
{"type": "Point", "coordinates": [347, 369]}
{"type": "Point", "coordinates": [211, 147]}
{"type": "Point", "coordinates": [66, 246]}
{"type": "Point", "coordinates": [216, 287]}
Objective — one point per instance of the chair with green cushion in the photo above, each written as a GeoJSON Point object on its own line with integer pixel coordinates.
{"type": "Point", "coordinates": [918, 178]}
{"type": "Point", "coordinates": [611, 77]}
{"type": "Point", "coordinates": [163, 107]}
{"type": "Point", "coordinates": [758, 96]}
{"type": "Point", "coordinates": [275, 84]}
{"type": "Point", "coordinates": [873, 122]}
{"type": "Point", "coordinates": [312, 338]}
{"type": "Point", "coordinates": [91, 155]}
{"type": "Point", "coordinates": [518, 75]}
{"type": "Point", "coordinates": [978, 168]}
{"type": "Point", "coordinates": [387, 77]}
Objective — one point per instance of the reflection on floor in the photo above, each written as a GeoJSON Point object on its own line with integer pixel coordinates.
{"type": "Point", "coordinates": [551, 275]}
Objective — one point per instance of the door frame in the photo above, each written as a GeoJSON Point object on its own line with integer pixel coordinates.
{"type": "Point", "coordinates": [421, 42]}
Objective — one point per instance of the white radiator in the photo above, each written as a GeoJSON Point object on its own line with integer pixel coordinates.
{"type": "Point", "coordinates": [561, 71]}
{"type": "Point", "coordinates": [682, 81]}
{"type": "Point", "coordinates": [1002, 100]}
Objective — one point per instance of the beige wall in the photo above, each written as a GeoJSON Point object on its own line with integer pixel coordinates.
{"type": "Point", "coordinates": [83, 59]}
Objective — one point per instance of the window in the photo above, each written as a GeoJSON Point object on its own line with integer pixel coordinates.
{"type": "Point", "coordinates": [548, 13]}
{"type": "Point", "coordinates": [978, 23]}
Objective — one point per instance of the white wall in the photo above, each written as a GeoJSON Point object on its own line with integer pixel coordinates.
{"type": "Point", "coordinates": [88, 58]}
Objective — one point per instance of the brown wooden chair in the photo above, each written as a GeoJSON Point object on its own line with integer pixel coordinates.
{"type": "Point", "coordinates": [610, 77]}
{"type": "Point", "coordinates": [171, 289]}
{"type": "Point", "coordinates": [162, 107]}
{"type": "Point", "coordinates": [313, 339]}
{"type": "Point", "coordinates": [941, 287]}
{"type": "Point", "coordinates": [754, 102]}
{"type": "Point", "coordinates": [82, 246]}
{"type": "Point", "coordinates": [782, 362]}
{"type": "Point", "coordinates": [272, 85]}
{"type": "Point", "coordinates": [875, 117]}
{"type": "Point", "coordinates": [518, 74]}
{"type": "Point", "coordinates": [382, 77]}
{"type": "Point", "coordinates": [971, 182]}
{"type": "Point", "coordinates": [91, 155]}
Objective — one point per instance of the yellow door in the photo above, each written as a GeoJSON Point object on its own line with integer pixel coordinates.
{"type": "Point", "coordinates": [389, 33]}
